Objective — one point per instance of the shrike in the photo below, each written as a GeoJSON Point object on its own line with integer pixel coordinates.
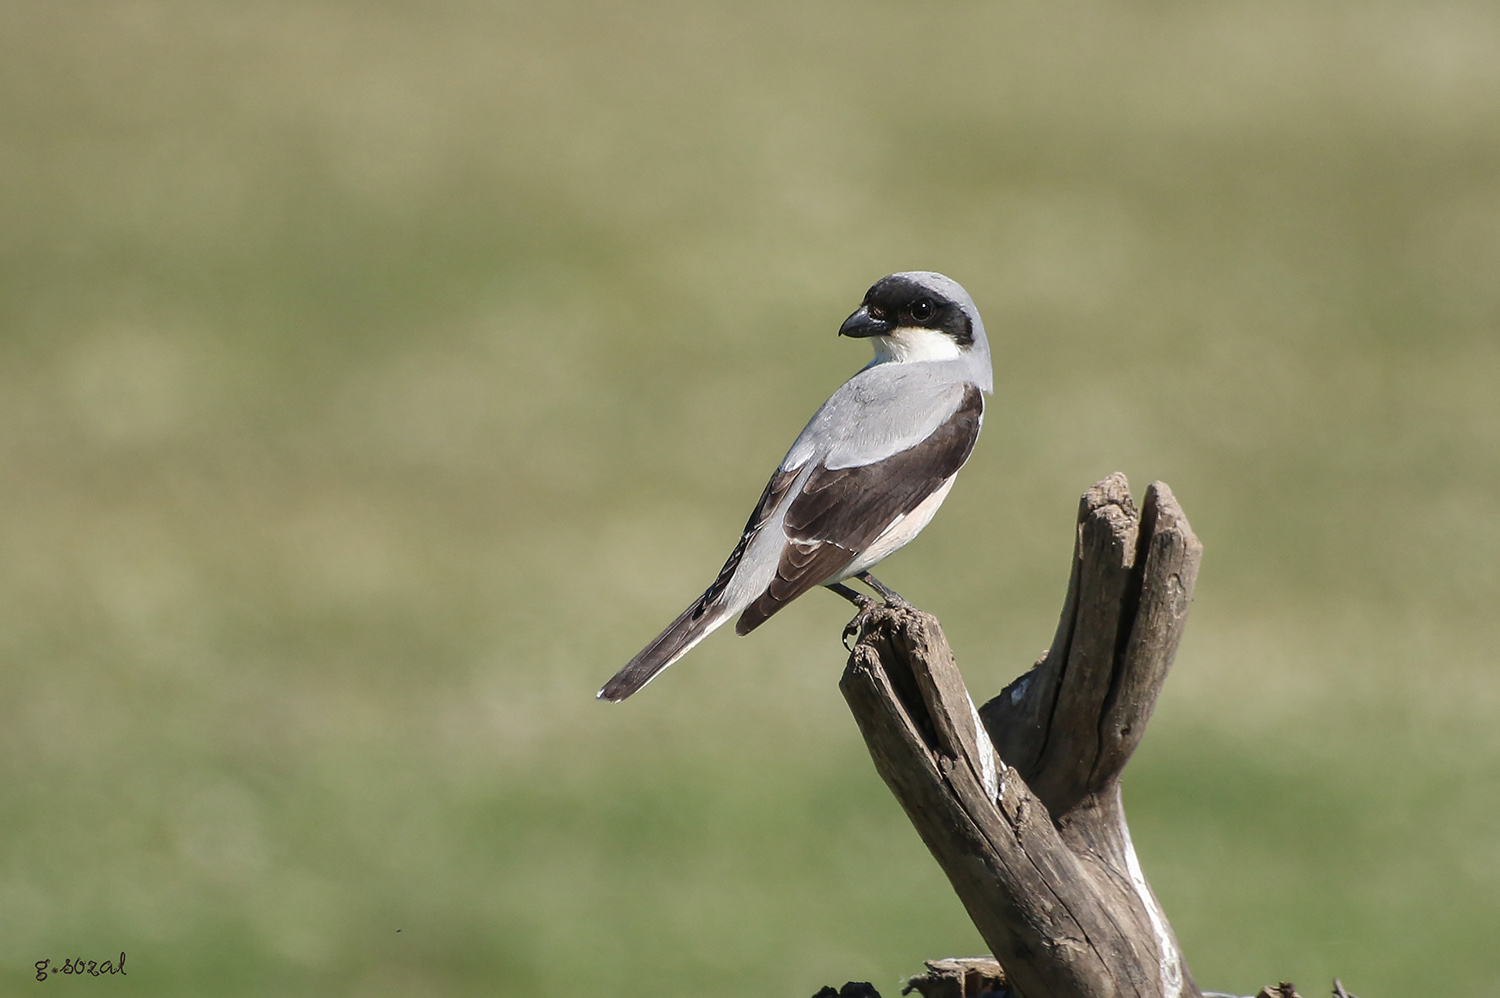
{"type": "Point", "coordinates": [864, 476]}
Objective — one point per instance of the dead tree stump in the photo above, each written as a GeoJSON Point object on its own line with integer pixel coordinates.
{"type": "Point", "coordinates": [1020, 802]}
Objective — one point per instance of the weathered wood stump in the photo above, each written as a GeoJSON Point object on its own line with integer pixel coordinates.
{"type": "Point", "coordinates": [1019, 801]}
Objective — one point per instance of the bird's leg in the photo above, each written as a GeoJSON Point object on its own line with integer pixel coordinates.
{"type": "Point", "coordinates": [859, 599]}
{"type": "Point", "coordinates": [891, 597]}
{"type": "Point", "coordinates": [854, 596]}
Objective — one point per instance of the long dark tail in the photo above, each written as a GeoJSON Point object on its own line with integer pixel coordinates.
{"type": "Point", "coordinates": [670, 645]}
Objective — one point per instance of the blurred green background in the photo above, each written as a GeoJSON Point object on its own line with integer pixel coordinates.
{"type": "Point", "coordinates": [376, 378]}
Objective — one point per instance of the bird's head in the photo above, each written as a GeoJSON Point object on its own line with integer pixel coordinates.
{"type": "Point", "coordinates": [922, 316]}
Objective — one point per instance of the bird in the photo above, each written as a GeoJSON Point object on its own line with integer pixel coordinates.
{"type": "Point", "coordinates": [863, 477]}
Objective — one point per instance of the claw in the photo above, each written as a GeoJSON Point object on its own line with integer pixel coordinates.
{"type": "Point", "coordinates": [855, 627]}
{"type": "Point", "coordinates": [864, 604]}
{"type": "Point", "coordinates": [851, 630]}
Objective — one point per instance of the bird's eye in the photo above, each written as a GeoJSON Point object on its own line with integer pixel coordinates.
{"type": "Point", "coordinates": [922, 309]}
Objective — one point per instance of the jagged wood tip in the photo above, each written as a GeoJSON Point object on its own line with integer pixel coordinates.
{"type": "Point", "coordinates": [1019, 803]}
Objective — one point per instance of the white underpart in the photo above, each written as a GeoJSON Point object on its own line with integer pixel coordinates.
{"type": "Point", "coordinates": [1169, 961]}
{"type": "Point", "coordinates": [900, 532]}
{"type": "Point", "coordinates": [911, 343]}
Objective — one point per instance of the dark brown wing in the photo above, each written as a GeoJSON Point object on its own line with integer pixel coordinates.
{"type": "Point", "coordinates": [841, 511]}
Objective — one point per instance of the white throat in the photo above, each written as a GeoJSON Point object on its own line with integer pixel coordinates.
{"type": "Point", "coordinates": [913, 343]}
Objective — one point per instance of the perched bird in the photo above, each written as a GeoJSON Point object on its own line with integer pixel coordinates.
{"type": "Point", "coordinates": [862, 479]}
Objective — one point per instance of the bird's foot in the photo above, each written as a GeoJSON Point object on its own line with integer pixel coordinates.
{"type": "Point", "coordinates": [860, 600]}
{"type": "Point", "coordinates": [856, 627]}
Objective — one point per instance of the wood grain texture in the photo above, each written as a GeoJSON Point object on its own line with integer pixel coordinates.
{"type": "Point", "coordinates": [1033, 836]}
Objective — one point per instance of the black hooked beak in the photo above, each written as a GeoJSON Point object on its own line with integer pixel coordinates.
{"type": "Point", "coordinates": [862, 323]}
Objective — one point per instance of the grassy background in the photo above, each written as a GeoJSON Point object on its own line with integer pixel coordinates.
{"type": "Point", "coordinates": [376, 378]}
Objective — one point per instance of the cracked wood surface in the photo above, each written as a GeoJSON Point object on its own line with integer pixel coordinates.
{"type": "Point", "coordinates": [1020, 801]}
